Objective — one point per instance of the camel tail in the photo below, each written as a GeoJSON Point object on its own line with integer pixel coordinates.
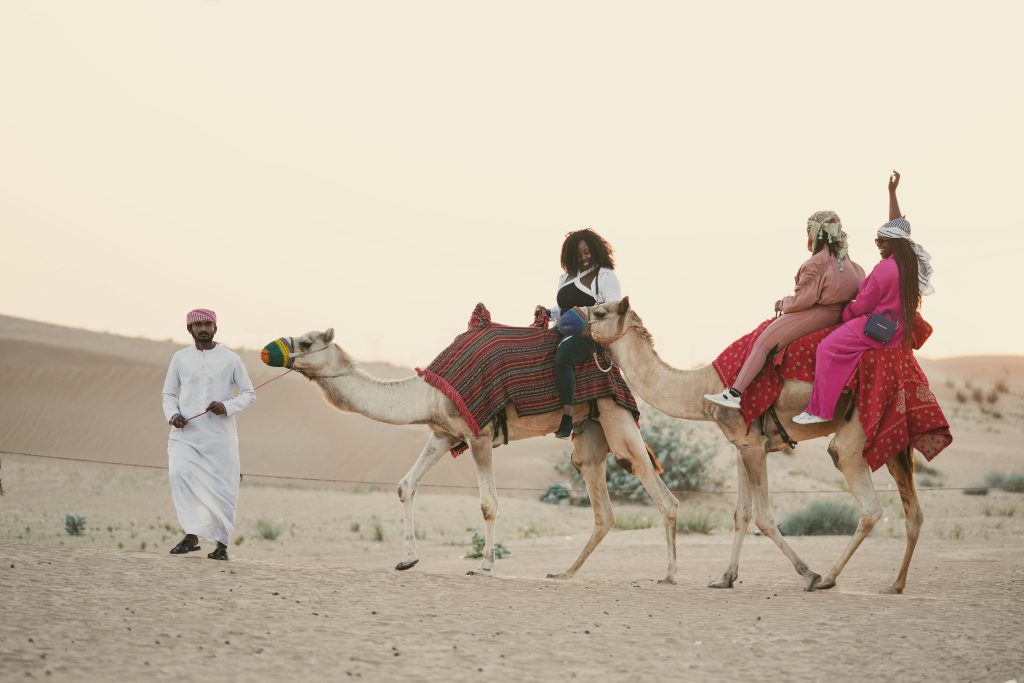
{"type": "Point", "coordinates": [654, 459]}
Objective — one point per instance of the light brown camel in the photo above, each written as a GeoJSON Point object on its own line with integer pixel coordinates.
{"type": "Point", "coordinates": [412, 401]}
{"type": "Point", "coordinates": [680, 393]}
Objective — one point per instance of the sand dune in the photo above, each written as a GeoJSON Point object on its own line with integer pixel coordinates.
{"type": "Point", "coordinates": [97, 396]}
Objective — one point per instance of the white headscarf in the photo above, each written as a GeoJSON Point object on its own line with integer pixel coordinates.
{"type": "Point", "coordinates": [826, 225]}
{"type": "Point", "coordinates": [899, 229]}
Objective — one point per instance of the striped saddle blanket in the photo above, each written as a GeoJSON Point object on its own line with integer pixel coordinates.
{"type": "Point", "coordinates": [490, 365]}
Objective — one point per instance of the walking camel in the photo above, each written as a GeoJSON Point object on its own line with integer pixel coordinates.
{"type": "Point", "coordinates": [412, 401]}
{"type": "Point", "coordinates": [680, 393]}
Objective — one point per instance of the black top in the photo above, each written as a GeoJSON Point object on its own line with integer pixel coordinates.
{"type": "Point", "coordinates": [570, 295]}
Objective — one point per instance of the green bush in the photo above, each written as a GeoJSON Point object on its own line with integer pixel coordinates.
{"type": "Point", "coordinates": [74, 524]}
{"type": "Point", "coordinates": [267, 530]}
{"type": "Point", "coordinates": [696, 523]}
{"type": "Point", "coordinates": [686, 459]}
{"type": "Point", "coordinates": [822, 518]}
{"type": "Point", "coordinates": [632, 522]}
{"type": "Point", "coordinates": [1013, 482]}
{"type": "Point", "coordinates": [477, 546]}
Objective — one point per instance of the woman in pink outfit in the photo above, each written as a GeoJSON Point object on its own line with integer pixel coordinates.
{"type": "Point", "coordinates": [824, 283]}
{"type": "Point", "coordinates": [894, 289]}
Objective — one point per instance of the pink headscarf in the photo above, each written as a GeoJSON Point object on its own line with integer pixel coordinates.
{"type": "Point", "coordinates": [199, 315]}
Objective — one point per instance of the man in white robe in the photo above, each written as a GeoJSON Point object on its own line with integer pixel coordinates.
{"type": "Point", "coordinates": [202, 450]}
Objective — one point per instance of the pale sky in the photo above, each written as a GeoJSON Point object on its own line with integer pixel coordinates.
{"type": "Point", "coordinates": [379, 167]}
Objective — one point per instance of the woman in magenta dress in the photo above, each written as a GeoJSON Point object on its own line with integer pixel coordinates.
{"type": "Point", "coordinates": [894, 289]}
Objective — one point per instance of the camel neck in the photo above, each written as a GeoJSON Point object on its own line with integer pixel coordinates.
{"type": "Point", "coordinates": [675, 392]}
{"type": "Point", "coordinates": [403, 401]}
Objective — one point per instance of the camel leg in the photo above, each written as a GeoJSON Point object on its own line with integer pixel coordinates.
{"type": "Point", "coordinates": [482, 451]}
{"type": "Point", "coordinates": [902, 469]}
{"type": "Point", "coordinates": [436, 446]}
{"type": "Point", "coordinates": [849, 459]}
{"type": "Point", "coordinates": [755, 461]}
{"type": "Point", "coordinates": [741, 522]}
{"type": "Point", "coordinates": [626, 442]}
{"type": "Point", "coordinates": [590, 450]}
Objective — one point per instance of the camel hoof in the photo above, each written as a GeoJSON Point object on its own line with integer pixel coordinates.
{"type": "Point", "coordinates": [812, 582]}
{"type": "Point", "coordinates": [722, 583]}
{"type": "Point", "coordinates": [891, 590]}
{"type": "Point", "coordinates": [825, 583]}
{"type": "Point", "coordinates": [562, 577]}
{"type": "Point", "coordinates": [406, 564]}
{"type": "Point", "coordinates": [668, 581]}
{"type": "Point", "coordinates": [479, 572]}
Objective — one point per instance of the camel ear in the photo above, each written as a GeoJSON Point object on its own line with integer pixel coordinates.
{"type": "Point", "coordinates": [624, 305]}
{"type": "Point", "coordinates": [329, 336]}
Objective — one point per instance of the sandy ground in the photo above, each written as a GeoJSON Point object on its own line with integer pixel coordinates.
{"type": "Point", "coordinates": [322, 601]}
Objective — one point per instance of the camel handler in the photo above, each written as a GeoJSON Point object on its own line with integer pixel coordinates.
{"type": "Point", "coordinates": [202, 452]}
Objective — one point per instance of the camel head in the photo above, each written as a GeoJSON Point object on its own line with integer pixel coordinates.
{"type": "Point", "coordinates": [306, 354]}
{"type": "Point", "coordinates": [607, 323]}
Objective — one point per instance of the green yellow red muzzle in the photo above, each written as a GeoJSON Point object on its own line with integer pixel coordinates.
{"type": "Point", "coordinates": [279, 353]}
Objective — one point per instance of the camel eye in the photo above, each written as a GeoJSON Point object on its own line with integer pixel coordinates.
{"type": "Point", "coordinates": [600, 315]}
{"type": "Point", "coordinates": [304, 345]}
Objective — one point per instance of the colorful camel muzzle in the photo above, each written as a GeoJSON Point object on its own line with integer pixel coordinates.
{"type": "Point", "coordinates": [279, 353]}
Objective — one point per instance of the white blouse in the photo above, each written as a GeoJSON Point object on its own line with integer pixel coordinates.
{"type": "Point", "coordinates": [607, 288]}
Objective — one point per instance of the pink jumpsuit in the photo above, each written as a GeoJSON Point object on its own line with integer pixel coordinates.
{"type": "Point", "coordinates": [817, 302]}
{"type": "Point", "coordinates": [840, 351]}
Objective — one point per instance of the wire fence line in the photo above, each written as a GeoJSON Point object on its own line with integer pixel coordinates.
{"type": "Point", "coordinates": [363, 482]}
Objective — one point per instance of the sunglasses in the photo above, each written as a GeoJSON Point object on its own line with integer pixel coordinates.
{"type": "Point", "coordinates": [879, 241]}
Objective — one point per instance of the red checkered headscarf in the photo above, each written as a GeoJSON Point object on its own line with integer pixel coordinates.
{"type": "Point", "coordinates": [200, 314]}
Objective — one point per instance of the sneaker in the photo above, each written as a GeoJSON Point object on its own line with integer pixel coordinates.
{"type": "Point", "coordinates": [564, 427]}
{"type": "Point", "coordinates": [730, 398]}
{"type": "Point", "coordinates": [806, 418]}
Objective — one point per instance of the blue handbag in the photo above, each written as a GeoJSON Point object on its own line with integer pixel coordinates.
{"type": "Point", "coordinates": [881, 328]}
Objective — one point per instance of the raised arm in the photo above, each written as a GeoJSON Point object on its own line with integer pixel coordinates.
{"type": "Point", "coordinates": [894, 206]}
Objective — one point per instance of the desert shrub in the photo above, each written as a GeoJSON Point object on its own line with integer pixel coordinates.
{"type": "Point", "coordinates": [556, 493]}
{"type": "Point", "coordinates": [630, 522]}
{"type": "Point", "coordinates": [992, 510]}
{"type": "Point", "coordinates": [378, 529]}
{"type": "Point", "coordinates": [976, 491]}
{"type": "Point", "coordinates": [977, 394]}
{"type": "Point", "coordinates": [1013, 482]}
{"type": "Point", "coordinates": [534, 530]}
{"type": "Point", "coordinates": [1002, 387]}
{"type": "Point", "coordinates": [74, 524]}
{"type": "Point", "coordinates": [929, 482]}
{"type": "Point", "coordinates": [922, 466]}
{"type": "Point", "coordinates": [354, 527]}
{"type": "Point", "coordinates": [822, 518]}
{"type": "Point", "coordinates": [477, 543]}
{"type": "Point", "coordinates": [697, 523]}
{"type": "Point", "coordinates": [961, 396]}
{"type": "Point", "coordinates": [992, 396]}
{"type": "Point", "coordinates": [267, 530]}
{"type": "Point", "coordinates": [239, 540]}
{"type": "Point", "coordinates": [687, 461]}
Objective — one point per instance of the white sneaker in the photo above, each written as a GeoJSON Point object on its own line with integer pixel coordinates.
{"type": "Point", "coordinates": [806, 418]}
{"type": "Point", "coordinates": [725, 399]}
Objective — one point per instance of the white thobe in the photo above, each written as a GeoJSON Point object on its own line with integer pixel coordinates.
{"type": "Point", "coordinates": [202, 457]}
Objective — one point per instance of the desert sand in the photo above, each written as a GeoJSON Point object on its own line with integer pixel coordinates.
{"type": "Point", "coordinates": [321, 600]}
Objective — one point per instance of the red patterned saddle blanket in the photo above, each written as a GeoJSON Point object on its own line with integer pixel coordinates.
{"type": "Point", "coordinates": [490, 365]}
{"type": "Point", "coordinates": [896, 406]}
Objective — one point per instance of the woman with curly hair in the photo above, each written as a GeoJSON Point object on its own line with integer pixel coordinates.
{"type": "Point", "coordinates": [587, 278]}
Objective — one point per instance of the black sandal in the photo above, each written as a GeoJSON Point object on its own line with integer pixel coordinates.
{"type": "Point", "coordinates": [221, 553]}
{"type": "Point", "coordinates": [184, 547]}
